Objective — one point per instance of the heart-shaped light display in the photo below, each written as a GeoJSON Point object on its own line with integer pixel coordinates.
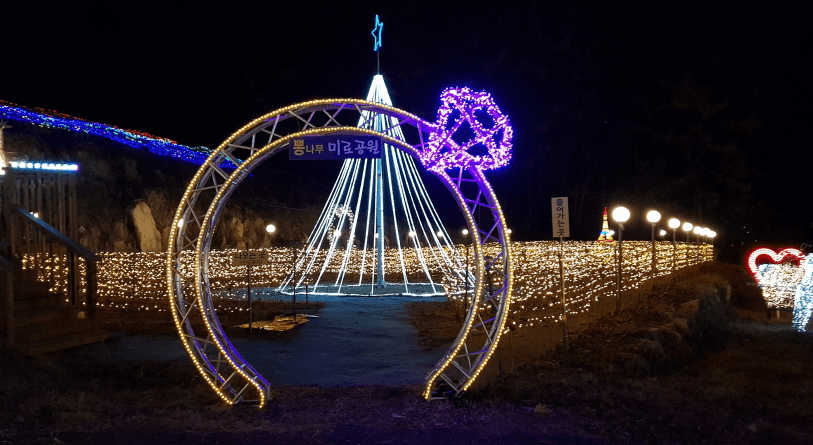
{"type": "Point", "coordinates": [778, 274]}
{"type": "Point", "coordinates": [443, 152]}
{"type": "Point", "coordinates": [796, 256]}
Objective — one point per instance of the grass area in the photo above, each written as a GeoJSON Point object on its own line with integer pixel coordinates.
{"type": "Point", "coordinates": [747, 381]}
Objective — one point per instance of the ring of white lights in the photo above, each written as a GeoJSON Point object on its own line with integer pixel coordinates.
{"type": "Point", "coordinates": [221, 366]}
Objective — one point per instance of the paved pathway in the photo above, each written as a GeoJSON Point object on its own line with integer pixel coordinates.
{"type": "Point", "coordinates": [354, 341]}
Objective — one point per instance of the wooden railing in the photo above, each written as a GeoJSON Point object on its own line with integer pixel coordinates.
{"type": "Point", "coordinates": [58, 260]}
{"type": "Point", "coordinates": [53, 245]}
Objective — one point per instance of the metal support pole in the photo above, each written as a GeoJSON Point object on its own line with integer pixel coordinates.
{"type": "Point", "coordinates": [562, 281]}
{"type": "Point", "coordinates": [654, 258]}
{"type": "Point", "coordinates": [379, 219]}
{"type": "Point", "coordinates": [674, 254]}
{"type": "Point", "coordinates": [248, 296]}
{"type": "Point", "coordinates": [466, 276]}
{"type": "Point", "coordinates": [620, 269]}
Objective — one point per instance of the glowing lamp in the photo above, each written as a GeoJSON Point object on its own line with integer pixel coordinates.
{"type": "Point", "coordinates": [674, 223]}
{"type": "Point", "coordinates": [697, 230]}
{"type": "Point", "coordinates": [621, 214]}
{"type": "Point", "coordinates": [272, 228]}
{"type": "Point", "coordinates": [687, 227]}
{"type": "Point", "coordinates": [662, 233]}
{"type": "Point", "coordinates": [465, 232]}
{"type": "Point", "coordinates": [337, 233]}
{"type": "Point", "coordinates": [653, 216]}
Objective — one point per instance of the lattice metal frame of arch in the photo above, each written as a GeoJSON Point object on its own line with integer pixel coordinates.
{"type": "Point", "coordinates": [203, 337]}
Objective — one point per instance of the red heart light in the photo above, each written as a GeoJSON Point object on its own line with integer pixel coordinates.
{"type": "Point", "coordinates": [795, 255]}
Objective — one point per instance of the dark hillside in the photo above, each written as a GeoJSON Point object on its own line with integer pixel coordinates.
{"type": "Point", "coordinates": [114, 177]}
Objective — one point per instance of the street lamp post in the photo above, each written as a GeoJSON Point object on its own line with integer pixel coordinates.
{"type": "Point", "coordinates": [704, 232]}
{"type": "Point", "coordinates": [674, 223]}
{"type": "Point", "coordinates": [687, 227]}
{"type": "Point", "coordinates": [696, 231]}
{"type": "Point", "coordinates": [653, 216]}
{"type": "Point", "coordinates": [270, 229]}
{"type": "Point", "coordinates": [620, 215]}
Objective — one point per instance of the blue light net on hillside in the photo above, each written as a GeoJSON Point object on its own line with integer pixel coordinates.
{"type": "Point", "coordinates": [131, 138]}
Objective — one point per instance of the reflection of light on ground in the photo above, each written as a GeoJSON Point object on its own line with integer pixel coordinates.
{"type": "Point", "coordinates": [279, 323]}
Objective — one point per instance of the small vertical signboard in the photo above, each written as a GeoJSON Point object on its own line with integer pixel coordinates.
{"type": "Point", "coordinates": [561, 230]}
{"type": "Point", "coordinates": [561, 219]}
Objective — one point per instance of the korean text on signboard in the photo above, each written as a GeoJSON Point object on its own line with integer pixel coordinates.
{"type": "Point", "coordinates": [340, 146]}
{"type": "Point", "coordinates": [561, 218]}
{"type": "Point", "coordinates": [250, 258]}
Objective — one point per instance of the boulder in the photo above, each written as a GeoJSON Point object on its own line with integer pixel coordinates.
{"type": "Point", "coordinates": [689, 309]}
{"type": "Point", "coordinates": [668, 335]}
{"type": "Point", "coordinates": [650, 350]}
{"type": "Point", "coordinates": [147, 235]}
{"type": "Point", "coordinates": [682, 326]}
{"type": "Point", "coordinates": [633, 363]}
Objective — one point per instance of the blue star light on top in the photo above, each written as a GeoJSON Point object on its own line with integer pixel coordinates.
{"type": "Point", "coordinates": [379, 26]}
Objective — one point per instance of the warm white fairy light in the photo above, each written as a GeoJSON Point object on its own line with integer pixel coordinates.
{"type": "Point", "coordinates": [803, 301]}
{"type": "Point", "coordinates": [132, 280]}
{"type": "Point", "coordinates": [780, 277]}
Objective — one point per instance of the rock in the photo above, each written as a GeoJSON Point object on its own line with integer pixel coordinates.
{"type": "Point", "coordinates": [669, 336]}
{"type": "Point", "coordinates": [165, 236]}
{"type": "Point", "coordinates": [633, 363]}
{"type": "Point", "coordinates": [651, 350]}
{"type": "Point", "coordinates": [682, 326]}
{"type": "Point", "coordinates": [120, 231]}
{"type": "Point", "coordinates": [689, 309]}
{"type": "Point", "coordinates": [147, 235]}
{"type": "Point", "coordinates": [542, 409]}
{"type": "Point", "coordinates": [581, 352]}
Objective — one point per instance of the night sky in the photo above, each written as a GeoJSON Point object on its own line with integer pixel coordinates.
{"type": "Point", "coordinates": [693, 109]}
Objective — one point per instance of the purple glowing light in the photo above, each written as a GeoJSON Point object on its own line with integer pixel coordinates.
{"type": "Point", "coordinates": [443, 152]}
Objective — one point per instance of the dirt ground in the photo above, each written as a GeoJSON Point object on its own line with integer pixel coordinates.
{"type": "Point", "coordinates": [747, 381]}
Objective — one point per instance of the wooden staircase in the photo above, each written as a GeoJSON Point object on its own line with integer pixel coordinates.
{"type": "Point", "coordinates": [38, 225]}
{"type": "Point", "coordinates": [45, 322]}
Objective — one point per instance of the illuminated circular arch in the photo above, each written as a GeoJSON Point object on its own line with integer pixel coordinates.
{"type": "Point", "coordinates": [206, 343]}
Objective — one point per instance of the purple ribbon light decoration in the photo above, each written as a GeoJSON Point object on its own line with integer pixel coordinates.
{"type": "Point", "coordinates": [444, 153]}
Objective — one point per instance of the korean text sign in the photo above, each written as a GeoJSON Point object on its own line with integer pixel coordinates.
{"type": "Point", "coordinates": [561, 218]}
{"type": "Point", "coordinates": [250, 258]}
{"type": "Point", "coordinates": [338, 146]}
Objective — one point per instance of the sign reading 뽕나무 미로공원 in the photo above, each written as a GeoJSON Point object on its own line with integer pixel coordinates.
{"type": "Point", "coordinates": [340, 146]}
{"type": "Point", "coordinates": [561, 219]}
